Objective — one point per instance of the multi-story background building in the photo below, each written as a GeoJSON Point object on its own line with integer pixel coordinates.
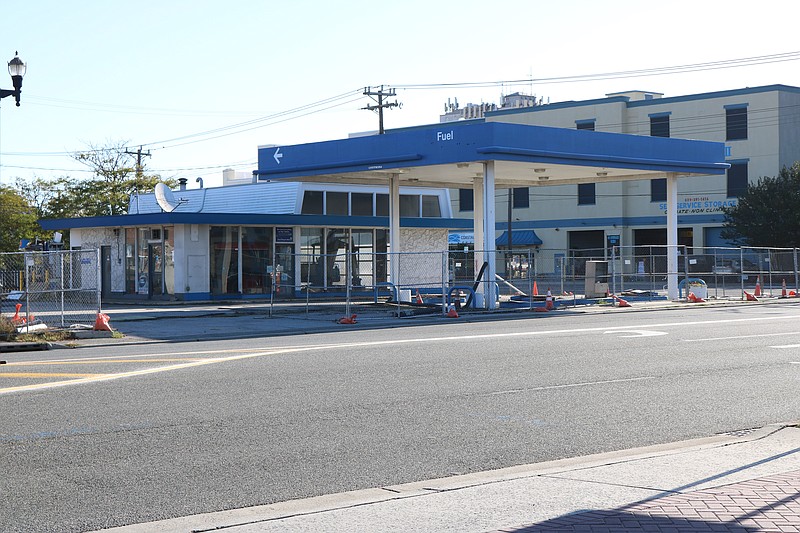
{"type": "Point", "coordinates": [760, 127]}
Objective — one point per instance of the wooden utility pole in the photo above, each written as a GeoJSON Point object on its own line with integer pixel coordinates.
{"type": "Point", "coordinates": [139, 155]}
{"type": "Point", "coordinates": [380, 94]}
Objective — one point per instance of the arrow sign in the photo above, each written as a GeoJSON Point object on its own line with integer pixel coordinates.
{"type": "Point", "coordinates": [637, 333]}
{"type": "Point", "coordinates": [277, 155]}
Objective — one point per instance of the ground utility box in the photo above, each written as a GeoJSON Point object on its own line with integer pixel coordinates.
{"type": "Point", "coordinates": [596, 279]}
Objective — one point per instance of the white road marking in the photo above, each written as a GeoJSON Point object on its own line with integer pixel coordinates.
{"type": "Point", "coordinates": [637, 333]}
{"type": "Point", "coordinates": [743, 336]}
{"type": "Point", "coordinates": [405, 341]}
{"type": "Point", "coordinates": [570, 385]}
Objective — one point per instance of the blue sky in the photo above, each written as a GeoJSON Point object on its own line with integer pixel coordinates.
{"type": "Point", "coordinates": [161, 73]}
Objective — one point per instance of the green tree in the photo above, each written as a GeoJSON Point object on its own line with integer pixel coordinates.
{"type": "Point", "coordinates": [17, 220]}
{"type": "Point", "coordinates": [768, 214]}
{"type": "Point", "coordinates": [116, 175]}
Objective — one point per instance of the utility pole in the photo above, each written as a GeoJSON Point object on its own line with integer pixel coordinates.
{"type": "Point", "coordinates": [139, 155]}
{"type": "Point", "coordinates": [380, 94]}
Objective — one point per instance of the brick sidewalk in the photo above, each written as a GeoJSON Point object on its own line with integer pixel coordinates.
{"type": "Point", "coordinates": [769, 504]}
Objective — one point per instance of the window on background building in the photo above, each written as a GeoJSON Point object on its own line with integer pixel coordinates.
{"type": "Point", "coordinates": [658, 190]}
{"type": "Point", "coordinates": [430, 206]}
{"type": "Point", "coordinates": [659, 125]}
{"type": "Point", "coordinates": [409, 205]}
{"type": "Point", "coordinates": [361, 204]}
{"type": "Point", "coordinates": [736, 123]}
{"type": "Point", "coordinates": [737, 179]}
{"type": "Point", "coordinates": [466, 200]}
{"type": "Point", "coordinates": [586, 194]}
{"type": "Point", "coordinates": [312, 203]}
{"type": "Point", "coordinates": [584, 125]}
{"type": "Point", "coordinates": [336, 203]}
{"type": "Point", "coordinates": [521, 198]}
{"type": "Point", "coordinates": [381, 205]}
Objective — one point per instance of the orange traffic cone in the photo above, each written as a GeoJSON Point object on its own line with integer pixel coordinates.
{"type": "Point", "coordinates": [101, 324]}
{"type": "Point", "coordinates": [757, 292]}
{"type": "Point", "coordinates": [749, 297]}
{"type": "Point", "coordinates": [16, 319]}
{"type": "Point", "coordinates": [783, 289]}
{"type": "Point", "coordinates": [419, 298]}
{"type": "Point", "coordinates": [621, 302]}
{"type": "Point", "coordinates": [792, 294]}
{"type": "Point", "coordinates": [535, 289]}
{"type": "Point", "coordinates": [451, 311]}
{"type": "Point", "coordinates": [347, 320]}
{"type": "Point", "coordinates": [548, 303]}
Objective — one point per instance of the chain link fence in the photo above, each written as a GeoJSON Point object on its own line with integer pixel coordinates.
{"type": "Point", "coordinates": [56, 288]}
{"type": "Point", "coordinates": [343, 282]}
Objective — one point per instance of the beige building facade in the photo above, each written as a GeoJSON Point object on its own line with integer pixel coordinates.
{"type": "Point", "coordinates": [760, 127]}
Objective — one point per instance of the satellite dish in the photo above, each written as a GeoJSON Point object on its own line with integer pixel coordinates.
{"type": "Point", "coordinates": [166, 200]}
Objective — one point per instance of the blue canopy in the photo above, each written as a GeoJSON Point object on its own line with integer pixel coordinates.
{"type": "Point", "coordinates": [525, 237]}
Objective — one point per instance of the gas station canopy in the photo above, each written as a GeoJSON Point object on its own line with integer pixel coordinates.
{"type": "Point", "coordinates": [487, 155]}
{"type": "Point", "coordinates": [451, 155]}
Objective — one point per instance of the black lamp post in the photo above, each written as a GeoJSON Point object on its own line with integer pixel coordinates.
{"type": "Point", "coordinates": [17, 70]}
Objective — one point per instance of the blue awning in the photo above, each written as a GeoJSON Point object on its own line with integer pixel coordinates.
{"type": "Point", "coordinates": [526, 237]}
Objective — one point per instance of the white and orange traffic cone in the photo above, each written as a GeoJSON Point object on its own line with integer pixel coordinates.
{"type": "Point", "coordinates": [548, 302]}
{"type": "Point", "coordinates": [693, 298]}
{"type": "Point", "coordinates": [419, 298]}
{"type": "Point", "coordinates": [783, 289]}
{"type": "Point", "coordinates": [451, 311]}
{"type": "Point", "coordinates": [757, 292]}
{"type": "Point", "coordinates": [749, 297]}
{"type": "Point", "coordinates": [347, 320]}
{"type": "Point", "coordinates": [620, 301]}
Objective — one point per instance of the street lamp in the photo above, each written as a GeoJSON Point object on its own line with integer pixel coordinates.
{"type": "Point", "coordinates": [17, 70]}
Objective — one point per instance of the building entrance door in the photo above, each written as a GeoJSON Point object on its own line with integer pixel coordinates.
{"type": "Point", "coordinates": [155, 269]}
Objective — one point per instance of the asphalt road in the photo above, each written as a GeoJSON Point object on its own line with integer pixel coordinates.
{"type": "Point", "coordinates": [147, 432]}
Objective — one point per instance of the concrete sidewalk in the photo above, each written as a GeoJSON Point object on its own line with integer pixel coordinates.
{"type": "Point", "coordinates": [748, 481]}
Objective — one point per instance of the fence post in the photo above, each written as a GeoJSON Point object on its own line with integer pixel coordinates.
{"type": "Point", "coordinates": [794, 257]}
{"type": "Point", "coordinates": [61, 256]}
{"type": "Point", "coordinates": [613, 270]}
{"type": "Point", "coordinates": [741, 269]}
{"type": "Point", "coordinates": [445, 279]}
{"type": "Point", "coordinates": [98, 280]}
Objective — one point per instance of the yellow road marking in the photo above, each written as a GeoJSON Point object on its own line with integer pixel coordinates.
{"type": "Point", "coordinates": [101, 361]}
{"type": "Point", "coordinates": [92, 378]}
{"type": "Point", "coordinates": [35, 375]}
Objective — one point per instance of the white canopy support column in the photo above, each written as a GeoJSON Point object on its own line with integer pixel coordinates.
{"type": "Point", "coordinates": [477, 228]}
{"type": "Point", "coordinates": [394, 229]}
{"type": "Point", "coordinates": [672, 236]}
{"type": "Point", "coordinates": [488, 235]}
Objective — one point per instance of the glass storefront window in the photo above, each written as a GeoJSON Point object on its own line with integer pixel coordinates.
{"type": "Point", "coordinates": [143, 262]}
{"type": "Point", "coordinates": [224, 258]}
{"type": "Point", "coordinates": [130, 260]}
{"type": "Point", "coordinates": [335, 256]}
{"type": "Point", "coordinates": [256, 260]}
{"type": "Point", "coordinates": [312, 271]}
{"type": "Point", "coordinates": [169, 260]}
{"type": "Point", "coordinates": [363, 258]}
